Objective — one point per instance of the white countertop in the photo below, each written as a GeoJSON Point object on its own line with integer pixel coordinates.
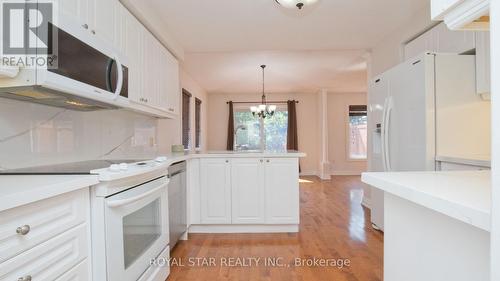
{"type": "Point", "coordinates": [20, 190]}
{"type": "Point", "coordinates": [242, 154]}
{"type": "Point", "coordinates": [480, 161]}
{"type": "Point", "coordinates": [17, 190]}
{"type": "Point", "coordinates": [463, 195]}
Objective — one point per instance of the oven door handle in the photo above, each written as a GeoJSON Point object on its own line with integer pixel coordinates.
{"type": "Point", "coordinates": [122, 202]}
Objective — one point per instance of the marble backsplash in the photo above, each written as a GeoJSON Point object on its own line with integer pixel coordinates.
{"type": "Point", "coordinates": [34, 135]}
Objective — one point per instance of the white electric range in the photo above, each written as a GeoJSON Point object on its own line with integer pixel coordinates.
{"type": "Point", "coordinates": [130, 221]}
{"type": "Point", "coordinates": [129, 216]}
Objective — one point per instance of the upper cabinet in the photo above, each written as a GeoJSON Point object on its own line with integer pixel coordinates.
{"type": "Point", "coordinates": [154, 86]}
{"type": "Point", "coordinates": [95, 16]}
{"type": "Point", "coordinates": [462, 14]}
{"type": "Point", "coordinates": [440, 39]}
{"type": "Point", "coordinates": [483, 71]}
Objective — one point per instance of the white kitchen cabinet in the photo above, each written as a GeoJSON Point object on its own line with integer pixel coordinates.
{"type": "Point", "coordinates": [154, 86]}
{"type": "Point", "coordinates": [215, 197]}
{"type": "Point", "coordinates": [74, 9]}
{"type": "Point", "coordinates": [102, 15]}
{"type": "Point", "coordinates": [79, 272]}
{"type": "Point", "coordinates": [423, 43]}
{"type": "Point", "coordinates": [95, 16]}
{"type": "Point", "coordinates": [49, 260]}
{"type": "Point", "coordinates": [42, 220]}
{"type": "Point", "coordinates": [452, 41]}
{"type": "Point", "coordinates": [256, 191]}
{"type": "Point", "coordinates": [440, 39]}
{"type": "Point", "coordinates": [133, 36]}
{"type": "Point", "coordinates": [483, 70]}
{"type": "Point", "coordinates": [461, 14]}
{"type": "Point", "coordinates": [122, 16]}
{"type": "Point", "coordinates": [248, 191]}
{"type": "Point", "coordinates": [172, 86]}
{"type": "Point", "coordinates": [282, 191]}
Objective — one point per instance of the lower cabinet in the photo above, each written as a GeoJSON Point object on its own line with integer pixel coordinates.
{"type": "Point", "coordinates": [215, 194]}
{"type": "Point", "coordinates": [47, 240]}
{"type": "Point", "coordinates": [282, 191]}
{"type": "Point", "coordinates": [249, 191]}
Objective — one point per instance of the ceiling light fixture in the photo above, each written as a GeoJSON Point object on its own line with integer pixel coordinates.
{"type": "Point", "coordinates": [263, 110]}
{"type": "Point", "coordinates": [296, 4]}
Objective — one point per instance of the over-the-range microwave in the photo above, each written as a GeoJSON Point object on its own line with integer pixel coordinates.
{"type": "Point", "coordinates": [88, 74]}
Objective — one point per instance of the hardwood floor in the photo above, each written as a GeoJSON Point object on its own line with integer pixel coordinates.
{"type": "Point", "coordinates": [333, 226]}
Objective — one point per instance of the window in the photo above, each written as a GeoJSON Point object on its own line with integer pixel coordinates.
{"type": "Point", "coordinates": [186, 101]}
{"type": "Point", "coordinates": [197, 124]}
{"type": "Point", "coordinates": [252, 133]}
{"type": "Point", "coordinates": [358, 125]}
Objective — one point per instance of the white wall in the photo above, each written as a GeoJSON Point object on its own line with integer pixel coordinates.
{"type": "Point", "coordinates": [170, 130]}
{"type": "Point", "coordinates": [338, 117]}
{"type": "Point", "coordinates": [389, 51]}
{"type": "Point", "coordinates": [306, 123]}
{"type": "Point", "coordinates": [33, 134]}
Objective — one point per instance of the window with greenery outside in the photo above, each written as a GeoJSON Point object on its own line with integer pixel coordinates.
{"type": "Point", "coordinates": [253, 133]}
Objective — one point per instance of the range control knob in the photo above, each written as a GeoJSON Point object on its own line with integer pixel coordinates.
{"type": "Point", "coordinates": [114, 168]}
{"type": "Point", "coordinates": [161, 159]}
{"type": "Point", "coordinates": [123, 166]}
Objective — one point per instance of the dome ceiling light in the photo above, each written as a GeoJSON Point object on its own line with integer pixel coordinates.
{"type": "Point", "coordinates": [296, 4]}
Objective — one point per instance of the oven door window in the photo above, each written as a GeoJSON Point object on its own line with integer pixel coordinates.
{"type": "Point", "coordinates": [141, 229]}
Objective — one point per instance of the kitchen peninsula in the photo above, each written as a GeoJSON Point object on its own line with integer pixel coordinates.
{"type": "Point", "coordinates": [436, 224]}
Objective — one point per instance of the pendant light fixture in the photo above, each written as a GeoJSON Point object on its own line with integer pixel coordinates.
{"type": "Point", "coordinates": [263, 110]}
{"type": "Point", "coordinates": [296, 4]}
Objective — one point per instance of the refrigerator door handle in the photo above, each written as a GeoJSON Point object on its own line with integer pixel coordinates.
{"type": "Point", "coordinates": [387, 134]}
{"type": "Point", "coordinates": [382, 135]}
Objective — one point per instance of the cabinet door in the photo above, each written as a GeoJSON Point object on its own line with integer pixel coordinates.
{"type": "Point", "coordinates": [134, 51]}
{"type": "Point", "coordinates": [172, 87]}
{"type": "Point", "coordinates": [102, 15]}
{"type": "Point", "coordinates": [454, 42]}
{"type": "Point", "coordinates": [149, 89]}
{"type": "Point", "coordinates": [247, 191]}
{"type": "Point", "coordinates": [424, 43]}
{"type": "Point", "coordinates": [76, 10]}
{"type": "Point", "coordinates": [163, 74]}
{"type": "Point", "coordinates": [378, 91]}
{"type": "Point", "coordinates": [215, 191]}
{"type": "Point", "coordinates": [483, 63]}
{"type": "Point", "coordinates": [120, 29]}
{"type": "Point", "coordinates": [282, 191]}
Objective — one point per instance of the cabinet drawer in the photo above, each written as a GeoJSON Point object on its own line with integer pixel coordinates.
{"type": "Point", "coordinates": [48, 260]}
{"type": "Point", "coordinates": [40, 221]}
{"type": "Point", "coordinates": [78, 273]}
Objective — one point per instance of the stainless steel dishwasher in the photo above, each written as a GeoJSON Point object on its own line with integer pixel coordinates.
{"type": "Point", "coordinates": [177, 202]}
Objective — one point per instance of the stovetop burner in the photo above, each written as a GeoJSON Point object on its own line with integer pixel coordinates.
{"type": "Point", "coordinates": [75, 168]}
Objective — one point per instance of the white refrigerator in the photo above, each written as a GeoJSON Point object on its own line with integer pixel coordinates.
{"type": "Point", "coordinates": [403, 114]}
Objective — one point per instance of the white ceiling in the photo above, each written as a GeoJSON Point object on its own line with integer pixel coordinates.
{"type": "Point", "coordinates": [286, 71]}
{"type": "Point", "coordinates": [225, 41]}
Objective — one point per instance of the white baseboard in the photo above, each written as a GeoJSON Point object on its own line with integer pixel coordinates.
{"type": "Point", "coordinates": [309, 173]}
{"type": "Point", "coordinates": [244, 228]}
{"type": "Point", "coordinates": [346, 173]}
{"type": "Point", "coordinates": [366, 203]}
